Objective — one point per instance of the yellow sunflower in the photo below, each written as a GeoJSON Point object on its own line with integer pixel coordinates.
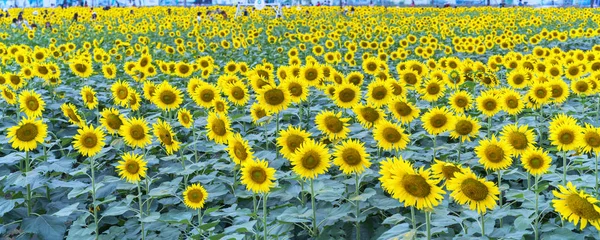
{"type": "Point", "coordinates": [438, 120]}
{"type": "Point", "coordinates": [540, 92]}
{"type": "Point", "coordinates": [432, 90]}
{"type": "Point", "coordinates": [297, 88]}
{"type": "Point", "coordinates": [346, 95]}
{"type": "Point", "coordinates": [135, 132]}
{"type": "Point", "coordinates": [581, 86]}
{"type": "Point", "coordinates": [403, 110]}
{"type": "Point", "coordinates": [591, 139]}
{"type": "Point", "coordinates": [109, 71]}
{"type": "Point", "coordinates": [488, 104]}
{"type": "Point", "coordinates": [120, 91]}
{"type": "Point", "coordinates": [132, 167]}
{"type": "Point", "coordinates": [332, 124]}
{"type": "Point", "coordinates": [390, 136]}
{"type": "Point", "coordinates": [82, 69]}
{"type": "Point", "coordinates": [258, 113]}
{"type": "Point", "coordinates": [112, 120]}
{"type": "Point", "coordinates": [478, 193]}
{"type": "Point", "coordinates": [8, 95]}
{"type": "Point", "coordinates": [290, 140]}
{"type": "Point", "coordinates": [512, 102]}
{"type": "Point", "coordinates": [310, 159]}
{"type": "Point", "coordinates": [149, 90]}
{"type": "Point", "coordinates": [379, 92]}
{"type": "Point", "coordinates": [565, 137]}
{"type": "Point", "coordinates": [390, 169]}
{"type": "Point", "coordinates": [576, 206]}
{"type": "Point", "coordinates": [31, 103]}
{"type": "Point", "coordinates": [185, 117]}
{"type": "Point", "coordinates": [194, 196]}
{"type": "Point", "coordinates": [134, 100]}
{"type": "Point", "coordinates": [311, 74]}
{"type": "Point", "coordinates": [218, 128]}
{"type": "Point", "coordinates": [518, 138]}
{"type": "Point", "coordinates": [446, 170]}
{"type": "Point", "coordinates": [560, 90]}
{"type": "Point", "coordinates": [494, 154]}
{"type": "Point", "coordinates": [70, 112]}
{"type": "Point", "coordinates": [536, 161]}
{"type": "Point", "coordinates": [88, 95]}
{"type": "Point", "coordinates": [351, 156]}
{"type": "Point", "coordinates": [273, 99]}
{"type": "Point", "coordinates": [368, 115]}
{"type": "Point", "coordinates": [205, 95]}
{"type": "Point", "coordinates": [27, 134]}
{"type": "Point", "coordinates": [237, 93]}
{"type": "Point", "coordinates": [167, 97]}
{"type": "Point", "coordinates": [258, 176]}
{"type": "Point", "coordinates": [164, 134]}
{"type": "Point", "coordinates": [89, 141]}
{"type": "Point", "coordinates": [465, 128]}
{"type": "Point", "coordinates": [460, 101]}
{"type": "Point", "coordinates": [518, 78]}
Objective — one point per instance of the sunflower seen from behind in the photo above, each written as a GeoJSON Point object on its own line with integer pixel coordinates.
{"type": "Point", "coordinates": [27, 134]}
{"type": "Point", "coordinates": [390, 136]}
{"type": "Point", "coordinates": [576, 206]}
{"type": "Point", "coordinates": [494, 154]}
{"type": "Point", "coordinates": [31, 103]}
{"type": "Point", "coordinates": [218, 128]}
{"type": "Point", "coordinates": [479, 194]}
{"type": "Point", "coordinates": [258, 176]}
{"type": "Point", "coordinates": [135, 132]}
{"type": "Point", "coordinates": [351, 157]}
{"type": "Point", "coordinates": [132, 167]}
{"type": "Point", "coordinates": [194, 196]}
{"type": "Point", "coordinates": [332, 124]}
{"type": "Point", "coordinates": [310, 159]}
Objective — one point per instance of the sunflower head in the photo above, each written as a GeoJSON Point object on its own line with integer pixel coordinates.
{"type": "Point", "coordinates": [479, 194]}
{"type": "Point", "coordinates": [576, 206]}
{"type": "Point", "coordinates": [310, 159]}
{"type": "Point", "coordinates": [351, 156]}
{"type": "Point", "coordinates": [258, 176]}
{"type": "Point", "coordinates": [194, 196]}
{"type": "Point", "coordinates": [132, 167]}
{"type": "Point", "coordinates": [27, 134]}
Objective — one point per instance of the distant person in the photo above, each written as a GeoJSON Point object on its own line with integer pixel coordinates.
{"type": "Point", "coordinates": [520, 3]}
{"type": "Point", "coordinates": [199, 17]}
{"type": "Point", "coordinates": [48, 25]}
{"type": "Point", "coordinates": [75, 17]}
{"type": "Point", "coordinates": [94, 16]}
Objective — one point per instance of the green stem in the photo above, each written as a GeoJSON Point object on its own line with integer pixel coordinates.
{"type": "Point", "coordinates": [266, 137]}
{"type": "Point", "coordinates": [482, 225]}
{"type": "Point", "coordinates": [413, 220]}
{"type": "Point", "coordinates": [234, 185]}
{"type": "Point", "coordinates": [302, 195]}
{"type": "Point", "coordinates": [255, 211]}
{"type": "Point", "coordinates": [141, 209]}
{"type": "Point", "coordinates": [537, 214]}
{"type": "Point", "coordinates": [460, 143]}
{"type": "Point", "coordinates": [597, 186]}
{"type": "Point", "coordinates": [489, 127]}
{"type": "Point", "coordinates": [434, 146]}
{"type": "Point", "coordinates": [356, 192]}
{"type": "Point", "coordinates": [500, 196]}
{"type": "Point", "coordinates": [276, 132]}
{"type": "Point", "coordinates": [95, 210]}
{"type": "Point", "coordinates": [315, 231]}
{"type": "Point", "coordinates": [564, 155]}
{"type": "Point", "coordinates": [265, 215]}
{"type": "Point", "coordinates": [199, 220]}
{"type": "Point", "coordinates": [428, 224]}
{"type": "Point", "coordinates": [27, 169]}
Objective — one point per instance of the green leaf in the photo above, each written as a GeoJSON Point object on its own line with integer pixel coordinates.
{"type": "Point", "coordinates": [65, 212]}
{"type": "Point", "coordinates": [116, 210]}
{"type": "Point", "coordinates": [153, 216]}
{"type": "Point", "coordinates": [79, 230]}
{"type": "Point", "coordinates": [400, 231]}
{"type": "Point", "coordinates": [45, 226]}
{"type": "Point", "coordinates": [209, 225]}
{"type": "Point", "coordinates": [522, 223]}
{"type": "Point", "coordinates": [7, 205]}
{"type": "Point", "coordinates": [369, 192]}
{"type": "Point", "coordinates": [394, 219]}
{"type": "Point", "coordinates": [176, 217]}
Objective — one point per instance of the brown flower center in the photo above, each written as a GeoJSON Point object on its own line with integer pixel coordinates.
{"type": "Point", "coordinates": [27, 132]}
{"type": "Point", "coordinates": [474, 190]}
{"type": "Point", "coordinates": [416, 185]}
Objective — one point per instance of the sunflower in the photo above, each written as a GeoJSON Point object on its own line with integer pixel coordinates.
{"type": "Point", "coordinates": [135, 132]}
{"type": "Point", "coordinates": [565, 137]}
{"type": "Point", "coordinates": [379, 92]}
{"type": "Point", "coordinates": [239, 150]}
{"type": "Point", "coordinates": [311, 74]}
{"type": "Point", "coordinates": [89, 140]}
{"type": "Point", "coordinates": [351, 157]}
{"type": "Point", "coordinates": [573, 71]}
{"type": "Point", "coordinates": [576, 206]}
{"type": "Point", "coordinates": [27, 134]}
{"type": "Point", "coordinates": [258, 176]}
{"type": "Point", "coordinates": [415, 187]}
{"type": "Point", "coordinates": [460, 101]}
{"type": "Point", "coordinates": [447, 170]}
{"type": "Point", "coordinates": [403, 110]}
{"type": "Point", "coordinates": [536, 161]}
{"type": "Point", "coordinates": [591, 139]}
{"type": "Point", "coordinates": [465, 128]}
{"type": "Point", "coordinates": [297, 88]}
{"type": "Point", "coordinates": [273, 99]}
{"type": "Point", "coordinates": [581, 86]}
{"type": "Point", "coordinates": [185, 117]}
{"type": "Point", "coordinates": [432, 90]}
{"type": "Point", "coordinates": [371, 65]}
{"type": "Point", "coordinates": [82, 69]}
{"type": "Point", "coordinates": [230, 67]}
{"type": "Point", "coordinates": [494, 154]}
{"type": "Point", "coordinates": [183, 70]}
{"type": "Point", "coordinates": [560, 90]}
{"type": "Point", "coordinates": [134, 100]}
{"type": "Point", "coordinates": [310, 159]}
{"type": "Point", "coordinates": [70, 112]}
{"type": "Point", "coordinates": [390, 136]}
{"type": "Point", "coordinates": [540, 92]}
{"type": "Point", "coordinates": [332, 124]}
{"type": "Point", "coordinates": [218, 128]}
{"type": "Point", "coordinates": [31, 103]}
{"type": "Point", "coordinates": [194, 196]}
{"type": "Point", "coordinates": [518, 138]}
{"type": "Point", "coordinates": [390, 169]}
{"type": "Point", "coordinates": [511, 102]}
{"type": "Point", "coordinates": [487, 103]}
{"type": "Point", "coordinates": [258, 112]}
{"type": "Point", "coordinates": [15, 81]}
{"type": "Point", "coordinates": [237, 93]}
{"type": "Point", "coordinates": [355, 78]}
{"type": "Point", "coordinates": [438, 120]}
{"type": "Point", "coordinates": [132, 167]}
{"type": "Point", "coordinates": [164, 134]}
{"type": "Point", "coordinates": [368, 115]}
{"type": "Point", "coordinates": [109, 71]}
{"type": "Point", "coordinates": [409, 77]}
{"type": "Point", "coordinates": [221, 106]}
{"type": "Point", "coordinates": [120, 91]}
{"type": "Point", "coordinates": [88, 95]}
{"type": "Point", "coordinates": [8, 95]}
{"type": "Point", "coordinates": [205, 95]}
{"type": "Point", "coordinates": [112, 120]}
{"type": "Point", "coordinates": [518, 78]}
{"type": "Point", "coordinates": [478, 193]}
{"type": "Point", "coordinates": [346, 95]}
{"type": "Point", "coordinates": [167, 97]}
{"type": "Point", "coordinates": [291, 139]}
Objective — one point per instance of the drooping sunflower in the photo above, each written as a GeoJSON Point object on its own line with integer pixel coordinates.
{"type": "Point", "coordinates": [478, 193]}
{"type": "Point", "coordinates": [27, 134]}
{"type": "Point", "coordinates": [291, 139]}
{"type": "Point", "coordinates": [368, 115]}
{"type": "Point", "coordinates": [258, 113]}
{"type": "Point", "coordinates": [70, 112]}
{"type": "Point", "coordinates": [346, 95]}
{"type": "Point", "coordinates": [273, 99]}
{"type": "Point", "coordinates": [194, 196]}
{"type": "Point", "coordinates": [31, 103]}
{"type": "Point", "coordinates": [297, 88]}
{"type": "Point", "coordinates": [120, 91]}
{"type": "Point", "coordinates": [493, 154]}
{"type": "Point", "coordinates": [237, 93]}
{"type": "Point", "coordinates": [310, 159]}
{"type": "Point", "coordinates": [518, 138]}
{"type": "Point", "coordinates": [8, 95]}
{"type": "Point", "coordinates": [351, 157]}
{"type": "Point", "coordinates": [536, 161]}
{"type": "Point", "coordinates": [379, 92]}
{"type": "Point", "coordinates": [446, 170]}
{"type": "Point", "coordinates": [82, 69]}
{"type": "Point", "coordinates": [332, 124]}
{"type": "Point", "coordinates": [167, 97]}
{"type": "Point", "coordinates": [218, 127]}
{"type": "Point", "coordinates": [403, 110]}
{"type": "Point", "coordinates": [432, 90]}
{"type": "Point", "coordinates": [258, 176]}
{"type": "Point", "coordinates": [135, 132]}
{"type": "Point", "coordinates": [565, 137]}
{"type": "Point", "coordinates": [390, 136]}
{"type": "Point", "coordinates": [576, 206]}
{"type": "Point", "coordinates": [112, 120]}
{"type": "Point", "coordinates": [488, 104]}
{"type": "Point", "coordinates": [89, 141]}
{"type": "Point", "coordinates": [438, 120]}
{"type": "Point", "coordinates": [239, 150]}
{"type": "Point", "coordinates": [591, 139]}
{"type": "Point", "coordinates": [132, 167]}
{"type": "Point", "coordinates": [88, 95]}
{"type": "Point", "coordinates": [511, 102]}
{"type": "Point", "coordinates": [205, 95]}
{"type": "Point", "coordinates": [185, 117]}
{"type": "Point", "coordinates": [164, 133]}
{"type": "Point", "coordinates": [465, 128]}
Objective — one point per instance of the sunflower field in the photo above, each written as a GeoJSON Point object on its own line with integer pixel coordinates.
{"type": "Point", "coordinates": [378, 123]}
